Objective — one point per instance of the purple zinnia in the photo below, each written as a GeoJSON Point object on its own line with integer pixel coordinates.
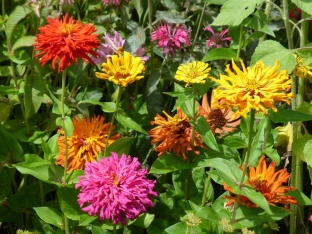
{"type": "Point", "coordinates": [113, 44]}
{"type": "Point", "coordinates": [115, 188]}
{"type": "Point", "coordinates": [171, 37]}
{"type": "Point", "coordinates": [217, 40]}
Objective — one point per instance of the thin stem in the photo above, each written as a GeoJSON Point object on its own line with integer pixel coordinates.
{"type": "Point", "coordinates": [114, 229]}
{"type": "Point", "coordinates": [206, 188]}
{"type": "Point", "coordinates": [267, 11]}
{"type": "Point", "coordinates": [246, 160]}
{"type": "Point", "coordinates": [150, 23]}
{"type": "Point", "coordinates": [239, 41]}
{"type": "Point", "coordinates": [3, 8]}
{"type": "Point", "coordinates": [63, 119]}
{"type": "Point", "coordinates": [120, 91]}
{"type": "Point", "coordinates": [66, 224]}
{"type": "Point", "coordinates": [287, 24]}
{"type": "Point", "coordinates": [267, 129]}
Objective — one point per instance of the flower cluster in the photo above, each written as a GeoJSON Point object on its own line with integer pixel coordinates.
{"type": "Point", "coordinates": [115, 188]}
{"type": "Point", "coordinates": [86, 143]}
{"type": "Point", "coordinates": [217, 40]}
{"type": "Point", "coordinates": [112, 2]}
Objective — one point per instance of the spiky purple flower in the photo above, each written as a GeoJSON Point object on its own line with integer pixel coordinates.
{"type": "Point", "coordinates": [217, 40]}
{"type": "Point", "coordinates": [171, 37]}
{"type": "Point", "coordinates": [113, 2]}
{"type": "Point", "coordinates": [69, 2]}
{"type": "Point", "coordinates": [113, 44]}
{"type": "Point", "coordinates": [115, 188]}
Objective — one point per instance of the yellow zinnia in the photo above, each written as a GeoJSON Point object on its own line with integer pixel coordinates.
{"type": "Point", "coordinates": [122, 69]}
{"type": "Point", "coordinates": [301, 70]}
{"type": "Point", "coordinates": [194, 72]}
{"type": "Point", "coordinates": [253, 88]}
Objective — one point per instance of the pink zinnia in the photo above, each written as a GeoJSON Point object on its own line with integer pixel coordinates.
{"type": "Point", "coordinates": [171, 37]}
{"type": "Point", "coordinates": [310, 218]}
{"type": "Point", "coordinates": [115, 188]}
{"type": "Point", "coordinates": [113, 44]}
{"type": "Point", "coordinates": [217, 40]}
{"type": "Point", "coordinates": [112, 2]}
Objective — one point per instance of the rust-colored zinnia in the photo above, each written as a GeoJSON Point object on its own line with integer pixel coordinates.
{"type": "Point", "coordinates": [86, 143]}
{"type": "Point", "coordinates": [174, 134]}
{"type": "Point", "coordinates": [268, 182]}
{"type": "Point", "coordinates": [65, 41]}
{"type": "Point", "coordinates": [218, 116]}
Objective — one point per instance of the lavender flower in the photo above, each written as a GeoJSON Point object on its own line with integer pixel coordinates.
{"type": "Point", "coordinates": [115, 188]}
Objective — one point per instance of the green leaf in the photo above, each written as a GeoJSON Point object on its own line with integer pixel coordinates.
{"type": "Point", "coordinates": [98, 230]}
{"type": "Point", "coordinates": [271, 51]}
{"type": "Point", "coordinates": [169, 163]}
{"type": "Point", "coordinates": [6, 71]}
{"type": "Point", "coordinates": [138, 6]}
{"type": "Point", "coordinates": [171, 17]}
{"type": "Point", "coordinates": [302, 199]}
{"type": "Point", "coordinates": [217, 2]}
{"type": "Point", "coordinates": [273, 154]}
{"type": "Point", "coordinates": [258, 24]}
{"type": "Point", "coordinates": [220, 53]}
{"type": "Point", "coordinates": [135, 40]}
{"type": "Point", "coordinates": [304, 5]}
{"type": "Point", "coordinates": [298, 147]}
{"type": "Point", "coordinates": [17, 14]}
{"type": "Point", "coordinates": [5, 110]}
{"type": "Point", "coordinates": [126, 121]}
{"type": "Point", "coordinates": [286, 115]}
{"type": "Point", "coordinates": [57, 105]}
{"type": "Point", "coordinates": [256, 198]}
{"type": "Point", "coordinates": [257, 143]}
{"type": "Point", "coordinates": [233, 12]}
{"type": "Point", "coordinates": [107, 107]}
{"type": "Point", "coordinates": [172, 4]}
{"type": "Point", "coordinates": [23, 41]}
{"type": "Point", "coordinates": [144, 220]}
{"type": "Point", "coordinates": [203, 128]}
{"type": "Point", "coordinates": [34, 166]}
{"type": "Point", "coordinates": [7, 90]}
{"type": "Point", "coordinates": [9, 146]}
{"type": "Point", "coordinates": [50, 215]}
{"type": "Point", "coordinates": [307, 152]}
{"type": "Point", "coordinates": [66, 124]}
{"type": "Point", "coordinates": [67, 198]}
{"type": "Point", "coordinates": [154, 98]}
{"type": "Point", "coordinates": [120, 146]}
{"type": "Point", "coordinates": [235, 142]}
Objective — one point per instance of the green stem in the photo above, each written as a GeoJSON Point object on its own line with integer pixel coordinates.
{"type": "Point", "coordinates": [239, 41]}
{"type": "Point", "coordinates": [120, 91]}
{"type": "Point", "coordinates": [267, 129]}
{"type": "Point", "coordinates": [114, 229]}
{"type": "Point", "coordinates": [245, 161]}
{"type": "Point", "coordinates": [66, 224]}
{"type": "Point", "coordinates": [207, 183]}
{"type": "Point", "coordinates": [150, 23]}
{"type": "Point", "coordinates": [267, 11]}
{"type": "Point", "coordinates": [287, 24]}
{"type": "Point", "coordinates": [3, 8]}
{"type": "Point", "coordinates": [63, 119]}
{"type": "Point", "coordinates": [199, 25]}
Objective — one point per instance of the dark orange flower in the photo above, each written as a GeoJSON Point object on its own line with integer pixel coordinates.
{"type": "Point", "coordinates": [219, 117]}
{"type": "Point", "coordinates": [268, 182]}
{"type": "Point", "coordinates": [86, 143]}
{"type": "Point", "coordinates": [174, 134]}
{"type": "Point", "coordinates": [66, 41]}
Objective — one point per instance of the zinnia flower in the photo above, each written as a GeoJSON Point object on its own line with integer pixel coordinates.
{"type": "Point", "coordinates": [171, 37]}
{"type": "Point", "coordinates": [253, 88]}
{"type": "Point", "coordinates": [86, 143]}
{"type": "Point", "coordinates": [115, 188]}
{"type": "Point", "coordinates": [217, 40]}
{"type": "Point", "coordinates": [66, 41]}
{"type": "Point", "coordinates": [174, 134]}
{"type": "Point", "coordinates": [112, 2]}
{"type": "Point", "coordinates": [122, 69]}
{"type": "Point", "coordinates": [113, 44]}
{"type": "Point", "coordinates": [268, 182]}
{"type": "Point", "coordinates": [218, 116]}
{"type": "Point", "coordinates": [194, 72]}
{"type": "Point", "coordinates": [301, 70]}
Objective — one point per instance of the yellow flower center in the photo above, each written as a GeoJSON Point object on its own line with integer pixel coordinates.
{"type": "Point", "coordinates": [122, 73]}
{"type": "Point", "coordinates": [114, 178]}
{"type": "Point", "coordinates": [67, 29]}
{"type": "Point", "coordinates": [252, 85]}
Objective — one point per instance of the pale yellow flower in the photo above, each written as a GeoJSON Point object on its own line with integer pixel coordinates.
{"type": "Point", "coordinates": [122, 69]}
{"type": "Point", "coordinates": [193, 72]}
{"type": "Point", "coordinates": [301, 70]}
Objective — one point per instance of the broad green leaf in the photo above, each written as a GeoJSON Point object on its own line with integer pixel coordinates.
{"type": "Point", "coordinates": [298, 147]}
{"type": "Point", "coordinates": [6, 71]}
{"type": "Point", "coordinates": [66, 124]}
{"type": "Point", "coordinates": [220, 53]}
{"type": "Point", "coordinates": [135, 40]}
{"type": "Point", "coordinates": [7, 90]}
{"type": "Point", "coordinates": [126, 121]}
{"type": "Point", "coordinates": [302, 199]}
{"type": "Point", "coordinates": [57, 105]}
{"type": "Point", "coordinates": [286, 115]}
{"type": "Point", "coordinates": [23, 41]}
{"type": "Point", "coordinates": [257, 143]}
{"type": "Point", "coordinates": [98, 230]}
{"type": "Point", "coordinates": [168, 163]}
{"type": "Point", "coordinates": [203, 128]}
{"type": "Point", "coordinates": [17, 14]}
{"type": "Point", "coordinates": [235, 142]}
{"type": "Point", "coordinates": [217, 2]}
{"type": "Point", "coordinates": [50, 215]}
{"type": "Point", "coordinates": [154, 99]}
{"type": "Point", "coordinates": [38, 136]}
{"type": "Point", "coordinates": [138, 6]}
{"type": "Point", "coordinates": [107, 107]}
{"type": "Point", "coordinates": [305, 107]}
{"type": "Point", "coordinates": [34, 166]}
{"type": "Point", "coordinates": [9, 146]}
{"type": "Point", "coordinates": [273, 154]}
{"type": "Point", "coordinates": [171, 17]}
{"type": "Point", "coordinates": [225, 152]}
{"type": "Point", "coordinates": [25, 202]}
{"type": "Point", "coordinates": [256, 198]}
{"type": "Point", "coordinates": [5, 110]}
{"type": "Point", "coordinates": [120, 146]}
{"type": "Point", "coordinates": [172, 4]}
{"type": "Point", "coordinates": [144, 220]}
{"type": "Point", "coordinates": [233, 12]}
{"type": "Point", "coordinates": [304, 5]}
{"type": "Point", "coordinates": [271, 51]}
{"type": "Point", "coordinates": [258, 24]}
{"type": "Point", "coordinates": [67, 198]}
{"type": "Point", "coordinates": [307, 152]}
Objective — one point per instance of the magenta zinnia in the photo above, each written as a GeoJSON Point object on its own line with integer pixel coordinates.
{"type": "Point", "coordinates": [115, 188]}
{"type": "Point", "coordinates": [171, 37]}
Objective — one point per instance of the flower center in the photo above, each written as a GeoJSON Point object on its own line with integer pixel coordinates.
{"type": "Point", "coordinates": [216, 119]}
{"type": "Point", "coordinates": [67, 29]}
{"type": "Point", "coordinates": [252, 85]}
{"type": "Point", "coordinates": [257, 182]}
{"type": "Point", "coordinates": [114, 177]}
{"type": "Point", "coordinates": [122, 73]}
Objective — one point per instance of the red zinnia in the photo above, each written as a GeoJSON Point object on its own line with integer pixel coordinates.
{"type": "Point", "coordinates": [66, 40]}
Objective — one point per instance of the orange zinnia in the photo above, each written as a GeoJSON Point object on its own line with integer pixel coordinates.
{"type": "Point", "coordinates": [66, 40]}
{"type": "Point", "coordinates": [218, 116]}
{"type": "Point", "coordinates": [174, 134]}
{"type": "Point", "coordinates": [268, 182]}
{"type": "Point", "coordinates": [86, 143]}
